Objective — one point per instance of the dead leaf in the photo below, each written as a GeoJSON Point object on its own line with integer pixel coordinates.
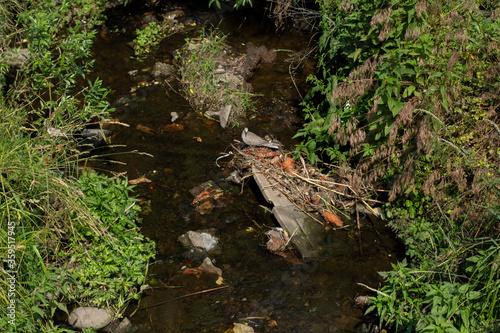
{"type": "Point", "coordinates": [331, 218]}
{"type": "Point", "coordinates": [192, 271]}
{"type": "Point", "coordinates": [205, 207]}
{"type": "Point", "coordinates": [204, 195]}
{"type": "Point", "coordinates": [139, 180]}
{"type": "Point", "coordinates": [173, 128]}
{"type": "Point", "coordinates": [145, 129]}
{"type": "Point", "coordinates": [197, 138]}
{"type": "Point", "coordinates": [288, 164]}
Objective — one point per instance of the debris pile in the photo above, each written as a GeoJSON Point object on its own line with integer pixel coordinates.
{"type": "Point", "coordinates": [311, 191]}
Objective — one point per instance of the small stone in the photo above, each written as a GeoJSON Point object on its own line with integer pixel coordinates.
{"type": "Point", "coordinates": [201, 239]}
{"type": "Point", "coordinates": [362, 301]}
{"type": "Point", "coordinates": [123, 327]}
{"type": "Point", "coordinates": [133, 73]}
{"type": "Point", "coordinates": [89, 317]}
{"type": "Point", "coordinates": [208, 266]}
{"type": "Point", "coordinates": [241, 328]}
{"type": "Point", "coordinates": [234, 177]}
{"type": "Point", "coordinates": [174, 116]}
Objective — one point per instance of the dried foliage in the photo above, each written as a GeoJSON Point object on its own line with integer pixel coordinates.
{"type": "Point", "coordinates": [304, 185]}
{"type": "Point", "coordinates": [284, 11]}
{"type": "Point", "coordinates": [414, 108]}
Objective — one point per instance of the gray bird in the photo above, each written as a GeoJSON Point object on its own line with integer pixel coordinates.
{"type": "Point", "coordinates": [252, 139]}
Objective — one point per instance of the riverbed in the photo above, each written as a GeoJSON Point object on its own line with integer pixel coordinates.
{"type": "Point", "coordinates": [263, 290]}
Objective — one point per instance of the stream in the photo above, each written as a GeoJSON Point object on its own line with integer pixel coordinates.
{"type": "Point", "coordinates": [263, 290]}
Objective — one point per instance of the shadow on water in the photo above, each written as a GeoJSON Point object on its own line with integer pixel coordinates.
{"type": "Point", "coordinates": [264, 290]}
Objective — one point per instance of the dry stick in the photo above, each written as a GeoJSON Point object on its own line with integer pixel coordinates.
{"type": "Point", "coordinates": [359, 231]}
{"type": "Point", "coordinates": [346, 195]}
{"type": "Point", "coordinates": [183, 296]}
{"type": "Point", "coordinates": [308, 180]}
{"type": "Point", "coordinates": [301, 209]}
{"type": "Point", "coordinates": [304, 165]}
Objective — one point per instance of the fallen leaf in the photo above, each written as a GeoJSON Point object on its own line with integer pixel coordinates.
{"type": "Point", "coordinates": [192, 271]}
{"type": "Point", "coordinates": [173, 128]}
{"type": "Point", "coordinates": [139, 180]}
{"type": "Point", "coordinates": [205, 207]}
{"type": "Point", "coordinates": [204, 195]}
{"type": "Point", "coordinates": [145, 129]}
{"type": "Point", "coordinates": [331, 218]}
{"type": "Point", "coordinates": [197, 138]}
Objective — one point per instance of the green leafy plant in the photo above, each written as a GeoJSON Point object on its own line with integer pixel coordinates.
{"type": "Point", "coordinates": [50, 221]}
{"type": "Point", "coordinates": [404, 99]}
{"type": "Point", "coordinates": [150, 37]}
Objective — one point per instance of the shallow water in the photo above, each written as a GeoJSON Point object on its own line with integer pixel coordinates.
{"type": "Point", "coordinates": [264, 290]}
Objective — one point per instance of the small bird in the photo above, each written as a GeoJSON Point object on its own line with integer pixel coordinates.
{"type": "Point", "coordinates": [252, 139]}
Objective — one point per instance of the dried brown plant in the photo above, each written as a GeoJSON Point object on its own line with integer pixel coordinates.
{"type": "Point", "coordinates": [359, 81]}
{"type": "Point", "coordinates": [421, 8]}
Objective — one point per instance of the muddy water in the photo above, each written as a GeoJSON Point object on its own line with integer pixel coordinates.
{"type": "Point", "coordinates": [263, 290]}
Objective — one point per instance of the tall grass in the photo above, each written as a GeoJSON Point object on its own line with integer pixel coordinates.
{"type": "Point", "coordinates": [64, 244]}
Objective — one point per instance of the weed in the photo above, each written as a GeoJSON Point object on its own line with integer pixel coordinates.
{"type": "Point", "coordinates": [205, 90]}
{"type": "Point", "coordinates": [405, 98]}
{"type": "Point", "coordinates": [63, 242]}
{"type": "Point", "coordinates": [150, 37]}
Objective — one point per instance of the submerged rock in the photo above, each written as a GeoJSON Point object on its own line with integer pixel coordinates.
{"type": "Point", "coordinates": [208, 267]}
{"type": "Point", "coordinates": [242, 328]}
{"type": "Point", "coordinates": [161, 69]}
{"type": "Point", "coordinates": [203, 240]}
{"type": "Point", "coordinates": [89, 317]}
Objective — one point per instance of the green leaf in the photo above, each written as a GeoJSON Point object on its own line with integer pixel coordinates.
{"type": "Point", "coordinates": [355, 54]}
{"type": "Point", "coordinates": [394, 106]}
{"type": "Point", "coordinates": [408, 91]}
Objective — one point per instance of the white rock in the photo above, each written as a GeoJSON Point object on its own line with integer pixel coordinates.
{"type": "Point", "coordinates": [174, 116]}
{"type": "Point", "coordinates": [89, 317]}
{"type": "Point", "coordinates": [241, 328]}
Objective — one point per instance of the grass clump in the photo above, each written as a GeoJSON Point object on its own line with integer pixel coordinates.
{"type": "Point", "coordinates": [67, 237]}
{"type": "Point", "coordinates": [207, 79]}
{"type": "Point", "coordinates": [149, 37]}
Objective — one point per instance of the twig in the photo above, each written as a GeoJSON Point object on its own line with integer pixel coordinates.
{"type": "Point", "coordinates": [304, 165]}
{"type": "Point", "coordinates": [183, 296]}
{"type": "Point", "coordinates": [375, 290]}
{"type": "Point", "coordinates": [337, 192]}
{"type": "Point", "coordinates": [359, 230]}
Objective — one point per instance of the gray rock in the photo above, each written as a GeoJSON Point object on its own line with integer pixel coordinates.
{"type": "Point", "coordinates": [202, 239]}
{"type": "Point", "coordinates": [225, 111]}
{"type": "Point", "coordinates": [15, 58]}
{"type": "Point", "coordinates": [174, 116]}
{"type": "Point", "coordinates": [161, 69]}
{"type": "Point", "coordinates": [242, 328]}
{"type": "Point", "coordinates": [170, 16]}
{"type": "Point", "coordinates": [89, 317]}
{"type": "Point", "coordinates": [123, 327]}
{"type": "Point", "coordinates": [133, 73]}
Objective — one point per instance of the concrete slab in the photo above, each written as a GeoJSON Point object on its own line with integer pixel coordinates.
{"type": "Point", "coordinates": [305, 233]}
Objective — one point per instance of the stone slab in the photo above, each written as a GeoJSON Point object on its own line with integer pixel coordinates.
{"type": "Point", "coordinates": [305, 233]}
{"type": "Point", "coordinates": [271, 195]}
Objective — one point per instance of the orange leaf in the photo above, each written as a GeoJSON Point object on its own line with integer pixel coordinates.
{"type": "Point", "coordinates": [331, 218]}
{"type": "Point", "coordinates": [139, 180]}
{"type": "Point", "coordinates": [173, 127]}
